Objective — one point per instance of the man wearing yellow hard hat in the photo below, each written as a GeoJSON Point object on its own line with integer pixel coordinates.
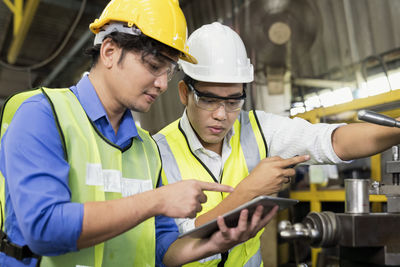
{"type": "Point", "coordinates": [80, 183]}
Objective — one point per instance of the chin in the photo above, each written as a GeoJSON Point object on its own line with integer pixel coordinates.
{"type": "Point", "coordinates": [141, 109]}
{"type": "Point", "coordinates": [214, 140]}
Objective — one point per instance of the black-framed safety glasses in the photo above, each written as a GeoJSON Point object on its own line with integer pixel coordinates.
{"type": "Point", "coordinates": [212, 102]}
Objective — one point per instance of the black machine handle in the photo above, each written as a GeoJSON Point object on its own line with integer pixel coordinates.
{"type": "Point", "coordinates": [373, 117]}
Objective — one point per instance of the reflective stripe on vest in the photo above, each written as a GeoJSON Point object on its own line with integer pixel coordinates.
{"type": "Point", "coordinates": [179, 163]}
{"type": "Point", "coordinates": [255, 260]}
{"type": "Point", "coordinates": [100, 170]}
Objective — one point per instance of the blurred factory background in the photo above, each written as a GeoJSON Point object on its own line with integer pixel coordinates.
{"type": "Point", "coordinates": [319, 59]}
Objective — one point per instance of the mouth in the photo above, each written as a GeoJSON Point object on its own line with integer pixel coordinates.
{"type": "Point", "coordinates": [151, 97]}
{"type": "Point", "coordinates": [216, 129]}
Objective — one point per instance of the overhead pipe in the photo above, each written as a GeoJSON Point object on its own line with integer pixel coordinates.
{"type": "Point", "coordinates": [15, 8]}
{"type": "Point", "coordinates": [19, 37]}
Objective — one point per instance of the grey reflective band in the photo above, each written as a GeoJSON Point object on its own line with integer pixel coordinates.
{"type": "Point", "coordinates": [255, 260]}
{"type": "Point", "coordinates": [171, 170]}
{"type": "Point", "coordinates": [248, 141]}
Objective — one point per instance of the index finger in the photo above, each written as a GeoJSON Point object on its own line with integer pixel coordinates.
{"type": "Point", "coordinates": [215, 187]}
{"type": "Point", "coordinates": [292, 162]}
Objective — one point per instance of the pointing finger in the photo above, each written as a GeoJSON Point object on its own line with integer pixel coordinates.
{"type": "Point", "coordinates": [292, 162]}
{"type": "Point", "coordinates": [215, 187]}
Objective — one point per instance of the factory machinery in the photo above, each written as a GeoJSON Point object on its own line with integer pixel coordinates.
{"type": "Point", "coordinates": [364, 238]}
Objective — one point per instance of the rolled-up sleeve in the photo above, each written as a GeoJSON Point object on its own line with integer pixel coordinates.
{"type": "Point", "coordinates": [166, 234]}
{"type": "Point", "coordinates": [38, 197]}
{"type": "Point", "coordinates": [288, 137]}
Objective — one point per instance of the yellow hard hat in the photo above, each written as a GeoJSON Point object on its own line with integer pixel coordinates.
{"type": "Point", "coordinates": [162, 20]}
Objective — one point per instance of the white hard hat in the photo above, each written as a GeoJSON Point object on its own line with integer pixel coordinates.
{"type": "Point", "coordinates": [221, 56]}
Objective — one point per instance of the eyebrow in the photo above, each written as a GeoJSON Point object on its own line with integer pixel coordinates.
{"type": "Point", "coordinates": [166, 57]}
{"type": "Point", "coordinates": [228, 96]}
{"type": "Point", "coordinates": [232, 96]}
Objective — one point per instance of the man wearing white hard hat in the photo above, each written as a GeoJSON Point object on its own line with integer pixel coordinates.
{"type": "Point", "coordinates": [255, 151]}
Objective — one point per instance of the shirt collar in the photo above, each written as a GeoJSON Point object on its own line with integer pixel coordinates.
{"type": "Point", "coordinates": [89, 100]}
{"type": "Point", "coordinates": [93, 107]}
{"type": "Point", "coordinates": [193, 140]}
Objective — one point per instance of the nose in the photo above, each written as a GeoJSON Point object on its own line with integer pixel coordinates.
{"type": "Point", "coordinates": [161, 82]}
{"type": "Point", "coordinates": [220, 112]}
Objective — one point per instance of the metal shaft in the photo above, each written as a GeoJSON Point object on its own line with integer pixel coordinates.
{"type": "Point", "coordinates": [373, 117]}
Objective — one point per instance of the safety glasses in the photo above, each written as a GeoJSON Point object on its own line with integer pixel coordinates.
{"type": "Point", "coordinates": [158, 64]}
{"type": "Point", "coordinates": [212, 102]}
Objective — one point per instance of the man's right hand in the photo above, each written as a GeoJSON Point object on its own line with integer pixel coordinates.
{"type": "Point", "coordinates": [270, 174]}
{"type": "Point", "coordinates": [226, 237]}
{"type": "Point", "coordinates": [187, 249]}
{"type": "Point", "coordinates": [183, 199]}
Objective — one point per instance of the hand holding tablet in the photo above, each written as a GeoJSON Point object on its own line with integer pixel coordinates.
{"type": "Point", "coordinates": [231, 218]}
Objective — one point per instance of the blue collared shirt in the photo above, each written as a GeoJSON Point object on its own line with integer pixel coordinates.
{"type": "Point", "coordinates": [38, 207]}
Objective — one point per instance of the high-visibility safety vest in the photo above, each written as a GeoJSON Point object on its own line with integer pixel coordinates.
{"type": "Point", "coordinates": [99, 171]}
{"type": "Point", "coordinates": [180, 163]}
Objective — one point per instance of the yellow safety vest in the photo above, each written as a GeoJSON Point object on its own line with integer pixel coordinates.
{"type": "Point", "coordinates": [99, 171]}
{"type": "Point", "coordinates": [179, 163]}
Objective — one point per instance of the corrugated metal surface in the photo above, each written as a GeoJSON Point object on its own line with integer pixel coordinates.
{"type": "Point", "coordinates": [320, 30]}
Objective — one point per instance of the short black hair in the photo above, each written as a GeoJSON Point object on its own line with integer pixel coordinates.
{"type": "Point", "coordinates": [129, 42]}
{"type": "Point", "coordinates": [189, 80]}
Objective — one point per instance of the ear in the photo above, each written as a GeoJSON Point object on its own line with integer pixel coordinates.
{"type": "Point", "coordinates": [183, 92]}
{"type": "Point", "coordinates": [109, 53]}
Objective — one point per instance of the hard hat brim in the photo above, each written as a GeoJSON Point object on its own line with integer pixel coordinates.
{"type": "Point", "coordinates": [97, 25]}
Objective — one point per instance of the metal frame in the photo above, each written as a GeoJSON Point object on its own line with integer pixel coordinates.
{"type": "Point", "coordinates": [315, 115]}
{"type": "Point", "coordinates": [316, 196]}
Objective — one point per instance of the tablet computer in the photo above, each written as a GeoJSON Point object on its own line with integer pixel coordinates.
{"type": "Point", "coordinates": [231, 218]}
